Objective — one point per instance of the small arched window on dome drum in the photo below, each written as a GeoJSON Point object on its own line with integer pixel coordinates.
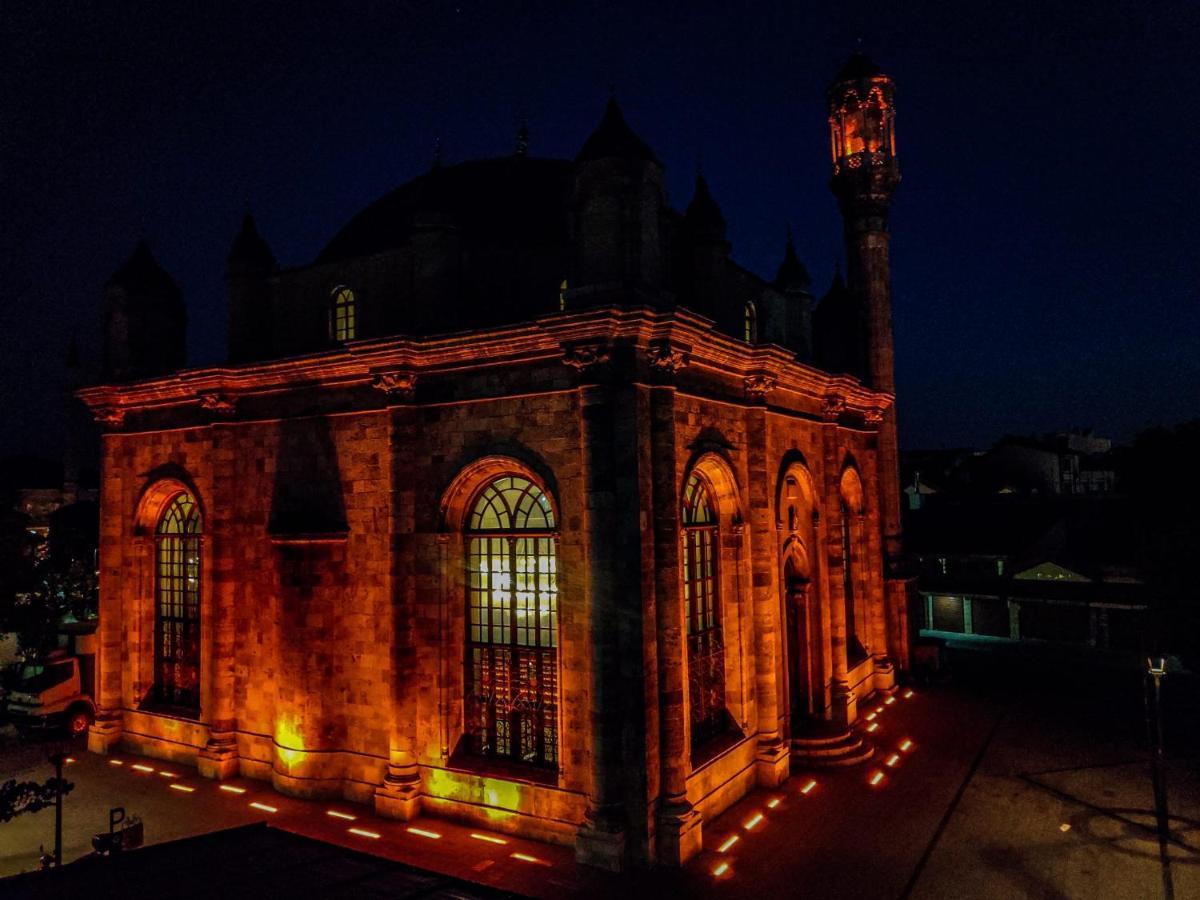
{"type": "Point", "coordinates": [177, 605]}
{"type": "Point", "coordinates": [343, 315]}
{"type": "Point", "coordinates": [750, 323]}
{"type": "Point", "coordinates": [562, 296]}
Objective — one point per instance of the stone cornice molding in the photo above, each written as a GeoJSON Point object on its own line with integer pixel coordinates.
{"type": "Point", "coordinates": [396, 385]}
{"type": "Point", "coordinates": [217, 403]}
{"type": "Point", "coordinates": [668, 358]}
{"type": "Point", "coordinates": [582, 357]}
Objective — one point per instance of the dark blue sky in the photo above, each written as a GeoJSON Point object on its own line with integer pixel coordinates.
{"type": "Point", "coordinates": [1045, 239]}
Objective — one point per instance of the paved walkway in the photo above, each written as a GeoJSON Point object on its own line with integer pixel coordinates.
{"type": "Point", "coordinates": [971, 805]}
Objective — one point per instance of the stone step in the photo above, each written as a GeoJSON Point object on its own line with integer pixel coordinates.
{"type": "Point", "coordinates": [846, 749]}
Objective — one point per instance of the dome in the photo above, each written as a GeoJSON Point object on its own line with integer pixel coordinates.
{"type": "Point", "coordinates": [508, 201]}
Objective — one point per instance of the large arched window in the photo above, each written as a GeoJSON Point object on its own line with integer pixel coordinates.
{"type": "Point", "coordinates": [343, 315]}
{"type": "Point", "coordinates": [512, 624]}
{"type": "Point", "coordinates": [706, 649]}
{"type": "Point", "coordinates": [177, 604]}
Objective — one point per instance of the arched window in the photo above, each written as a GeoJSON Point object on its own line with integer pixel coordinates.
{"type": "Point", "coordinates": [342, 315]}
{"type": "Point", "coordinates": [750, 323]}
{"type": "Point", "coordinates": [706, 649]}
{"type": "Point", "coordinates": [512, 624]}
{"type": "Point", "coordinates": [177, 605]}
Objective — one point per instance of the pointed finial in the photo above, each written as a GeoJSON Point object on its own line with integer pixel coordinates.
{"type": "Point", "coordinates": [523, 137]}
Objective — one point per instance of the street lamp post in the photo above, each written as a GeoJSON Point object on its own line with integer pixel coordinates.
{"type": "Point", "coordinates": [1157, 669]}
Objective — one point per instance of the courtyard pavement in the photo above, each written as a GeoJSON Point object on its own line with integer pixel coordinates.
{"type": "Point", "coordinates": [993, 795]}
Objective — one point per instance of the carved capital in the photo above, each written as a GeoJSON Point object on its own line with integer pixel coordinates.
{"type": "Point", "coordinates": [759, 386]}
{"type": "Point", "coordinates": [668, 359]}
{"type": "Point", "coordinates": [109, 416]}
{"type": "Point", "coordinates": [832, 407]}
{"type": "Point", "coordinates": [396, 385]}
{"type": "Point", "coordinates": [586, 356]}
{"type": "Point", "coordinates": [873, 417]}
{"type": "Point", "coordinates": [218, 404]}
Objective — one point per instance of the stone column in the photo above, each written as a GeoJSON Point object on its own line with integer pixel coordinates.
{"type": "Point", "coordinates": [678, 823]}
{"type": "Point", "coordinates": [843, 702]}
{"type": "Point", "coordinates": [884, 676]}
{"type": "Point", "coordinates": [772, 758]}
{"type": "Point", "coordinates": [115, 526]}
{"type": "Point", "coordinates": [219, 758]}
{"type": "Point", "coordinates": [399, 797]}
{"type": "Point", "coordinates": [601, 840]}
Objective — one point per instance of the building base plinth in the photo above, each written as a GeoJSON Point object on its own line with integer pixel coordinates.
{"type": "Point", "coordinates": [680, 836]}
{"type": "Point", "coordinates": [105, 732]}
{"type": "Point", "coordinates": [845, 705]}
{"type": "Point", "coordinates": [398, 798]}
{"type": "Point", "coordinates": [600, 847]}
{"type": "Point", "coordinates": [218, 761]}
{"type": "Point", "coordinates": [772, 763]}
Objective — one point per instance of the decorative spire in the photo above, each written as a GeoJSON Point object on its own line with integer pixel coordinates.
{"type": "Point", "coordinates": [792, 274]}
{"type": "Point", "coordinates": [250, 252]}
{"type": "Point", "coordinates": [703, 215]}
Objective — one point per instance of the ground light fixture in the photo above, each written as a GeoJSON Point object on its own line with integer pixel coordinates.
{"type": "Point", "coordinates": [876, 778]}
{"type": "Point", "coordinates": [525, 857]}
{"type": "Point", "coordinates": [772, 803]}
{"type": "Point", "coordinates": [362, 832]}
{"type": "Point", "coordinates": [182, 788]}
{"type": "Point", "coordinates": [166, 774]}
{"type": "Point", "coordinates": [892, 760]}
{"type": "Point", "coordinates": [889, 701]}
{"type": "Point", "coordinates": [489, 838]}
{"type": "Point", "coordinates": [264, 807]}
{"type": "Point", "coordinates": [232, 789]}
{"type": "Point", "coordinates": [421, 832]}
{"type": "Point", "coordinates": [909, 694]}
{"type": "Point", "coordinates": [905, 745]}
{"type": "Point", "coordinates": [720, 869]}
{"type": "Point", "coordinates": [340, 815]}
{"type": "Point", "coordinates": [728, 842]}
{"type": "Point", "coordinates": [1064, 827]}
{"type": "Point", "coordinates": [808, 788]}
{"type": "Point", "coordinates": [115, 762]}
{"type": "Point", "coordinates": [139, 767]}
{"type": "Point", "coordinates": [873, 727]}
{"type": "Point", "coordinates": [753, 822]}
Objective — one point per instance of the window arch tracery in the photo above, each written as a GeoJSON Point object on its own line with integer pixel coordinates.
{"type": "Point", "coordinates": [702, 615]}
{"type": "Point", "coordinates": [512, 623]}
{"type": "Point", "coordinates": [343, 315]}
{"type": "Point", "coordinates": [177, 604]}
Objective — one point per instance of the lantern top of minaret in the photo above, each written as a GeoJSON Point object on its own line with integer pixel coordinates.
{"type": "Point", "coordinates": [859, 65]}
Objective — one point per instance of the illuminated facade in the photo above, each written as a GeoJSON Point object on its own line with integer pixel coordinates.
{"type": "Point", "coordinates": [597, 505]}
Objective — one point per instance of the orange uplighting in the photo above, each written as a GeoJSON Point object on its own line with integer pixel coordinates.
{"type": "Point", "coordinates": [490, 838]}
{"type": "Point", "coordinates": [182, 787]}
{"type": "Point", "coordinates": [721, 869]}
{"type": "Point", "coordinates": [115, 762]}
{"type": "Point", "coordinates": [167, 774]}
{"type": "Point", "coordinates": [69, 760]}
{"type": "Point", "coordinates": [889, 701]}
{"type": "Point", "coordinates": [878, 710]}
{"type": "Point", "coordinates": [231, 789]}
{"type": "Point", "coordinates": [905, 745]}
{"type": "Point", "coordinates": [808, 788]}
{"type": "Point", "coordinates": [142, 768]}
{"type": "Point", "coordinates": [908, 695]}
{"type": "Point", "coordinates": [525, 857]}
{"type": "Point", "coordinates": [873, 727]}
{"type": "Point", "coordinates": [871, 716]}
{"type": "Point", "coordinates": [753, 822]}
{"type": "Point", "coordinates": [892, 760]}
{"type": "Point", "coordinates": [423, 833]}
{"type": "Point", "coordinates": [729, 842]}
{"type": "Point", "coordinates": [362, 832]}
{"type": "Point", "coordinates": [263, 807]}
{"type": "Point", "coordinates": [876, 779]}
{"type": "Point", "coordinates": [340, 815]}
{"type": "Point", "coordinates": [772, 803]}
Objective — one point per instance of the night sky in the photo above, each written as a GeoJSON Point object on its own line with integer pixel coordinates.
{"type": "Point", "coordinates": [1045, 239]}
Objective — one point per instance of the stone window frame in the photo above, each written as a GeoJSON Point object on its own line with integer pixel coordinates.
{"type": "Point", "coordinates": [343, 314]}
{"type": "Point", "coordinates": [454, 513]}
{"type": "Point", "coordinates": [140, 680]}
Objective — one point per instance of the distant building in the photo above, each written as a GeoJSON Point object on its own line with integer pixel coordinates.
{"type": "Point", "coordinates": [1014, 569]}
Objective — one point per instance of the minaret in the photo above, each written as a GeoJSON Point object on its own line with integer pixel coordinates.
{"type": "Point", "coordinates": [865, 175]}
{"type": "Point", "coordinates": [247, 275]}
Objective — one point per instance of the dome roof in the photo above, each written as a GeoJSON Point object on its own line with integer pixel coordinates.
{"type": "Point", "coordinates": [505, 201]}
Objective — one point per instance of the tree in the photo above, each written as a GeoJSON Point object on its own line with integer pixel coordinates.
{"type": "Point", "coordinates": [56, 589]}
{"type": "Point", "coordinates": [17, 797]}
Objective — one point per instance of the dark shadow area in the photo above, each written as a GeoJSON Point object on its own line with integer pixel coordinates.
{"type": "Point", "coordinates": [307, 496]}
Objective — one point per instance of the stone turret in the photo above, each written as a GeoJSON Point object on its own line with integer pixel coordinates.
{"type": "Point", "coordinates": [250, 266]}
{"type": "Point", "coordinates": [616, 218]}
{"type": "Point", "coordinates": [145, 321]}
